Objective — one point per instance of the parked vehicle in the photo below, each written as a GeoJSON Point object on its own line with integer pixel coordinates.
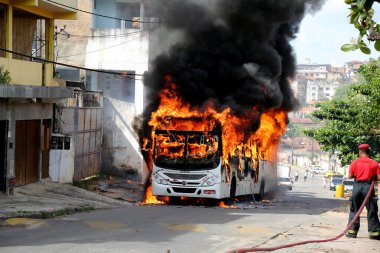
{"type": "Point", "coordinates": [348, 185]}
{"type": "Point", "coordinates": [284, 183]}
{"type": "Point", "coordinates": [334, 182]}
{"type": "Point", "coordinates": [329, 173]}
{"type": "Point", "coordinates": [316, 170]}
{"type": "Point", "coordinates": [332, 174]}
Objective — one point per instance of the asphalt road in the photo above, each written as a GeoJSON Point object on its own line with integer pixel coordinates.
{"type": "Point", "coordinates": [182, 229]}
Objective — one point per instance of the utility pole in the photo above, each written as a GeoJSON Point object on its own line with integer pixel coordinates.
{"type": "Point", "coordinates": [291, 129]}
{"type": "Point", "coordinates": [312, 151]}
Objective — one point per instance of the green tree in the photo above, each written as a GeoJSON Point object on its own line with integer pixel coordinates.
{"type": "Point", "coordinates": [5, 77]}
{"type": "Point", "coordinates": [361, 16]}
{"type": "Point", "coordinates": [353, 118]}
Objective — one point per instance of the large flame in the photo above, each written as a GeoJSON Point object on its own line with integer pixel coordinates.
{"type": "Point", "coordinates": [238, 137]}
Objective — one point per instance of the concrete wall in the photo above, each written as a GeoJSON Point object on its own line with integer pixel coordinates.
{"type": "Point", "coordinates": [71, 42]}
{"type": "Point", "coordinates": [31, 73]}
{"type": "Point", "coordinates": [121, 149]}
{"type": "Point", "coordinates": [131, 54]}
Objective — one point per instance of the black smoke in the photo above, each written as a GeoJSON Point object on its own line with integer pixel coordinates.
{"type": "Point", "coordinates": [234, 52]}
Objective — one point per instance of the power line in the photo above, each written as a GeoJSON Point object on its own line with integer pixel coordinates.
{"type": "Point", "coordinates": [100, 15]}
{"type": "Point", "coordinates": [102, 49]}
{"type": "Point", "coordinates": [101, 36]}
{"type": "Point", "coordinates": [72, 66]}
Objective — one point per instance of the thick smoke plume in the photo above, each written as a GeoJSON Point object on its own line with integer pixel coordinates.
{"type": "Point", "coordinates": [234, 52]}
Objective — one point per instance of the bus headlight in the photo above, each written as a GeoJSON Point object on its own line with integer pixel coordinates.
{"type": "Point", "coordinates": [211, 183]}
{"type": "Point", "coordinates": [159, 180]}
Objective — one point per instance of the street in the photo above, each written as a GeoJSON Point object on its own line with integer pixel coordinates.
{"type": "Point", "coordinates": [163, 228]}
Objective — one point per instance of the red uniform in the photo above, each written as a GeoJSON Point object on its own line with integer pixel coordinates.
{"type": "Point", "coordinates": [364, 169]}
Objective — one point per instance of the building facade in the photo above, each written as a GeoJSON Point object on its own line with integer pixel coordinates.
{"type": "Point", "coordinates": [115, 38]}
{"type": "Point", "coordinates": [26, 103]}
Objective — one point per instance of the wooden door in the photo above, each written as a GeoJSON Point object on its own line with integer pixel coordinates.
{"type": "Point", "coordinates": [45, 147]}
{"type": "Point", "coordinates": [3, 154]}
{"type": "Point", "coordinates": [27, 151]}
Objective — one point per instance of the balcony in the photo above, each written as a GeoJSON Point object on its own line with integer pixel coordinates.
{"type": "Point", "coordinates": [55, 9]}
{"type": "Point", "coordinates": [31, 73]}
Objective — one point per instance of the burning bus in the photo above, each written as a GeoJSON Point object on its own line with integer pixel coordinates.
{"type": "Point", "coordinates": [203, 153]}
{"type": "Point", "coordinates": [190, 164]}
{"type": "Point", "coordinates": [217, 95]}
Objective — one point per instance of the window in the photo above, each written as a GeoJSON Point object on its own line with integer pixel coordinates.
{"type": "Point", "coordinates": [119, 9]}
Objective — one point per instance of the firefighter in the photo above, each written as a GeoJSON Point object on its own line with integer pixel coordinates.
{"type": "Point", "coordinates": [364, 170]}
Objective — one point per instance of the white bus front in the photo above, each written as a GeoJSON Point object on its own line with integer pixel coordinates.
{"type": "Point", "coordinates": [188, 164]}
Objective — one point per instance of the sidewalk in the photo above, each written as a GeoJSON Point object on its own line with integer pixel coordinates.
{"type": "Point", "coordinates": [47, 199]}
{"type": "Point", "coordinates": [325, 226]}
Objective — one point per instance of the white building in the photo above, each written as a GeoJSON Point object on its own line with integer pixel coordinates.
{"type": "Point", "coordinates": [114, 38]}
{"type": "Point", "coordinates": [320, 91]}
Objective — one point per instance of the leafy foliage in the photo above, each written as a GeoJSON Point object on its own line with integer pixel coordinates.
{"type": "Point", "coordinates": [5, 77]}
{"type": "Point", "coordinates": [353, 118]}
{"type": "Point", "coordinates": [361, 16]}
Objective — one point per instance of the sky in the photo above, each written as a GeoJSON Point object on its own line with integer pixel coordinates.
{"type": "Point", "coordinates": [322, 34]}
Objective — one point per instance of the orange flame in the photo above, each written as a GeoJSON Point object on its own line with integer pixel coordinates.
{"type": "Point", "coordinates": [151, 199]}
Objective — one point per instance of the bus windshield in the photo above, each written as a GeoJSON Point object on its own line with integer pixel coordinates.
{"type": "Point", "coordinates": [187, 150]}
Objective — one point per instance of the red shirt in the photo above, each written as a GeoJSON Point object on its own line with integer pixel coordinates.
{"type": "Point", "coordinates": [364, 169]}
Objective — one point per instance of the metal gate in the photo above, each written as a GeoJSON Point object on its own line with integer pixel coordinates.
{"type": "Point", "coordinates": [85, 127]}
{"type": "Point", "coordinates": [81, 118]}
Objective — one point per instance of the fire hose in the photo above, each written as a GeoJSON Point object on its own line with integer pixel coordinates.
{"type": "Point", "coordinates": [312, 241]}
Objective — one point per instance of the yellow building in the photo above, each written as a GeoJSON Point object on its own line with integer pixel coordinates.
{"type": "Point", "coordinates": [27, 102]}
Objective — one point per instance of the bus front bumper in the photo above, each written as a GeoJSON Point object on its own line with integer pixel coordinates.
{"type": "Point", "coordinates": [213, 192]}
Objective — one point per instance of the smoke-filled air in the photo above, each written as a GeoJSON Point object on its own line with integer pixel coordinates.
{"type": "Point", "coordinates": [233, 54]}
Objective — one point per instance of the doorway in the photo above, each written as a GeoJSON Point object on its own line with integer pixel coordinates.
{"type": "Point", "coordinates": [27, 151]}
{"type": "Point", "coordinates": [3, 154]}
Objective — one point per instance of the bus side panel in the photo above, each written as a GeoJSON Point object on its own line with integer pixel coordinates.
{"type": "Point", "coordinates": [246, 187]}
{"type": "Point", "coordinates": [225, 190]}
{"type": "Point", "coordinates": [269, 175]}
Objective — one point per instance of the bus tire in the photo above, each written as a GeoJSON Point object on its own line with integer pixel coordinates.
{"type": "Point", "coordinates": [261, 193]}
{"type": "Point", "coordinates": [231, 199]}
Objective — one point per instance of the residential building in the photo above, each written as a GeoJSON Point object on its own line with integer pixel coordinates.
{"type": "Point", "coordinates": [119, 46]}
{"type": "Point", "coordinates": [26, 104]}
{"type": "Point", "coordinates": [320, 91]}
{"type": "Point", "coordinates": [313, 71]}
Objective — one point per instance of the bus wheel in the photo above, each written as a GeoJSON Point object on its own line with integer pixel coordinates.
{"type": "Point", "coordinates": [174, 200]}
{"type": "Point", "coordinates": [260, 195]}
{"type": "Point", "coordinates": [231, 199]}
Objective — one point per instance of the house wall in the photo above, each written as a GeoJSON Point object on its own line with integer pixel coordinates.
{"type": "Point", "coordinates": [131, 56]}
{"type": "Point", "coordinates": [32, 71]}
{"type": "Point", "coordinates": [109, 45]}
{"type": "Point", "coordinates": [121, 151]}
